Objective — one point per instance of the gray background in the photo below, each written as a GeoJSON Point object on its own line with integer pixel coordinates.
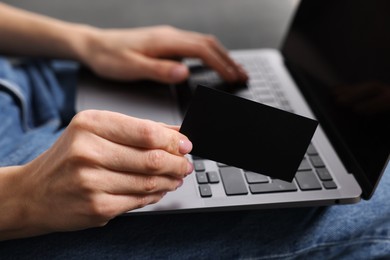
{"type": "Point", "coordinates": [237, 23]}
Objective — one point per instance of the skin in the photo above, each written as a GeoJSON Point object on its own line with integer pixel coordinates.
{"type": "Point", "coordinates": [105, 163]}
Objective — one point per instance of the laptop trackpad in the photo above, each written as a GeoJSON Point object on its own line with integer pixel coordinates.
{"type": "Point", "coordinates": [148, 100]}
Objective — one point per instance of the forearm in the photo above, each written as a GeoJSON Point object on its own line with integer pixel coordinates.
{"type": "Point", "coordinates": [25, 33]}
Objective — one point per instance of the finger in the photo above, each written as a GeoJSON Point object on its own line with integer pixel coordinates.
{"type": "Point", "coordinates": [139, 201]}
{"type": "Point", "coordinates": [223, 53]}
{"type": "Point", "coordinates": [160, 70]}
{"type": "Point", "coordinates": [126, 183]}
{"type": "Point", "coordinates": [202, 50]}
{"type": "Point", "coordinates": [185, 44]}
{"type": "Point", "coordinates": [117, 157]}
{"type": "Point", "coordinates": [119, 204]}
{"type": "Point", "coordinates": [173, 127]}
{"type": "Point", "coordinates": [130, 131]}
{"type": "Point", "coordinates": [207, 48]}
{"type": "Point", "coordinates": [243, 74]}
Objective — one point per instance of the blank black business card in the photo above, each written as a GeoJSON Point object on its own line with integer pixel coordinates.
{"type": "Point", "coordinates": [245, 134]}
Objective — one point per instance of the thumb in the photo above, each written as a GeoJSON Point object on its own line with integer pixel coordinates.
{"type": "Point", "coordinates": [162, 70]}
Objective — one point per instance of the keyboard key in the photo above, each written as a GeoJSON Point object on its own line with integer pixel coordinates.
{"type": "Point", "coordinates": [222, 165]}
{"type": "Point", "coordinates": [324, 174]}
{"type": "Point", "coordinates": [213, 177]}
{"type": "Point", "coordinates": [330, 185]}
{"type": "Point", "coordinates": [205, 190]}
{"type": "Point", "coordinates": [201, 177]}
{"type": "Point", "coordinates": [275, 186]}
{"type": "Point", "coordinates": [257, 82]}
{"type": "Point", "coordinates": [233, 181]}
{"type": "Point", "coordinates": [194, 157]}
{"type": "Point", "coordinates": [280, 94]}
{"type": "Point", "coordinates": [307, 181]}
{"type": "Point", "coordinates": [244, 94]}
{"type": "Point", "coordinates": [311, 150]}
{"type": "Point", "coordinates": [274, 84]}
{"type": "Point", "coordinates": [199, 166]}
{"type": "Point", "coordinates": [285, 103]}
{"type": "Point", "coordinates": [266, 99]}
{"type": "Point", "coordinates": [317, 161]}
{"type": "Point", "coordinates": [304, 166]}
{"type": "Point", "coordinates": [261, 92]}
{"type": "Point", "coordinates": [253, 177]}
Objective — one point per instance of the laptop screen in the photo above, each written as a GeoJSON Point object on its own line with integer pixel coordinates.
{"type": "Point", "coordinates": [339, 53]}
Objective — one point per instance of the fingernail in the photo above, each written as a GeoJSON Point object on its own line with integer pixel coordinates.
{"type": "Point", "coordinates": [185, 146]}
{"type": "Point", "coordinates": [179, 73]}
{"type": "Point", "coordinates": [190, 168]}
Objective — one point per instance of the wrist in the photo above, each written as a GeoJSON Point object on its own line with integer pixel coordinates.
{"type": "Point", "coordinates": [13, 203]}
{"type": "Point", "coordinates": [83, 40]}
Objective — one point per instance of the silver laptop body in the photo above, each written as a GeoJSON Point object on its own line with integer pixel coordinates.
{"type": "Point", "coordinates": [266, 67]}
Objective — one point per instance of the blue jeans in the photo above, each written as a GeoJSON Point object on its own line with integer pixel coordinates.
{"type": "Point", "coordinates": [36, 103]}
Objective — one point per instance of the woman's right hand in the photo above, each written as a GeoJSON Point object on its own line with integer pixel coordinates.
{"type": "Point", "coordinates": [103, 165]}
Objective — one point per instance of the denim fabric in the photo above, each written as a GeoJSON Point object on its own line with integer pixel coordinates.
{"type": "Point", "coordinates": [36, 100]}
{"type": "Point", "coordinates": [30, 124]}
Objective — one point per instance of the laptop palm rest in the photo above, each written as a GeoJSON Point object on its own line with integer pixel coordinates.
{"type": "Point", "coordinates": [148, 100]}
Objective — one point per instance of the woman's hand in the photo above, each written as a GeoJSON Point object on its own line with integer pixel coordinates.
{"type": "Point", "coordinates": [121, 54]}
{"type": "Point", "coordinates": [103, 165]}
{"type": "Point", "coordinates": [132, 54]}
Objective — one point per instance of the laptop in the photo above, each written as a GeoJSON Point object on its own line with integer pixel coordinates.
{"type": "Point", "coordinates": [332, 67]}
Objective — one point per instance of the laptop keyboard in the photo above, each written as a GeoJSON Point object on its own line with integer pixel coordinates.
{"type": "Point", "coordinates": [311, 175]}
{"type": "Point", "coordinates": [263, 87]}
